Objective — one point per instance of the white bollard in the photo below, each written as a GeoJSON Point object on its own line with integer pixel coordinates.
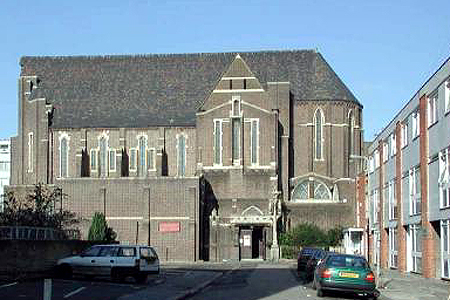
{"type": "Point", "coordinates": [47, 289]}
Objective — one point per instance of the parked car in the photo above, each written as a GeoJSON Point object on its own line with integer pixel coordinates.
{"type": "Point", "coordinates": [117, 261]}
{"type": "Point", "coordinates": [304, 256]}
{"type": "Point", "coordinates": [311, 265]}
{"type": "Point", "coordinates": [345, 273]}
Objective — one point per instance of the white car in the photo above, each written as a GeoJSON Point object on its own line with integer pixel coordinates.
{"type": "Point", "coordinates": [117, 261]}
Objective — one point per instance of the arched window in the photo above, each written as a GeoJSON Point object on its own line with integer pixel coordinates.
{"type": "Point", "coordinates": [142, 152]}
{"type": "Point", "coordinates": [103, 156]}
{"type": "Point", "coordinates": [351, 133]}
{"type": "Point", "coordinates": [311, 189]}
{"type": "Point", "coordinates": [63, 156]}
{"type": "Point", "coordinates": [318, 134]}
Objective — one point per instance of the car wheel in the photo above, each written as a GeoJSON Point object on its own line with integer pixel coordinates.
{"type": "Point", "coordinates": [320, 292]}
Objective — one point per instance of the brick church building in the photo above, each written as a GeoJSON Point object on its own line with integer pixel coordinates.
{"type": "Point", "coordinates": [205, 156]}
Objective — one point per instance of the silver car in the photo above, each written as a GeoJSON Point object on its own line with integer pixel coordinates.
{"type": "Point", "coordinates": [117, 261]}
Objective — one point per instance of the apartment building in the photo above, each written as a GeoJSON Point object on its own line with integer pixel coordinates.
{"type": "Point", "coordinates": [5, 163]}
{"type": "Point", "coordinates": [408, 184]}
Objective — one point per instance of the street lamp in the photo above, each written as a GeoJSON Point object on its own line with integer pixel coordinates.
{"type": "Point", "coordinates": [366, 160]}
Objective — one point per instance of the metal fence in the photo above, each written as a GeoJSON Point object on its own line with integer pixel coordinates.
{"type": "Point", "coordinates": [37, 233]}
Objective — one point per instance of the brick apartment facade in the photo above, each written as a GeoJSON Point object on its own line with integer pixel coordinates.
{"type": "Point", "coordinates": [408, 184]}
{"type": "Point", "coordinates": [200, 155]}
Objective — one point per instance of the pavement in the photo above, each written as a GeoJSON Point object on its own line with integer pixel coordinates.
{"type": "Point", "coordinates": [408, 286]}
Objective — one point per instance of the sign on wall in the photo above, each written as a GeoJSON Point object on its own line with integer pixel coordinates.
{"type": "Point", "coordinates": [169, 226]}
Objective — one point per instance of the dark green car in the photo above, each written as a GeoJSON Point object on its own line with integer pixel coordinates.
{"type": "Point", "coordinates": [345, 273]}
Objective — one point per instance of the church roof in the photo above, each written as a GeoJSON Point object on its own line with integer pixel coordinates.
{"type": "Point", "coordinates": [164, 89]}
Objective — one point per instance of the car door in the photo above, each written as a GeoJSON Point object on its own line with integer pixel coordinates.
{"type": "Point", "coordinates": [148, 260]}
{"type": "Point", "coordinates": [105, 260]}
{"type": "Point", "coordinates": [83, 263]}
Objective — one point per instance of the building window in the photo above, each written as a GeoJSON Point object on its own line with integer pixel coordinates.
{"type": "Point", "coordinates": [254, 141]}
{"type": "Point", "coordinates": [236, 107]}
{"type": "Point", "coordinates": [404, 134]}
{"type": "Point", "coordinates": [133, 159]}
{"type": "Point", "coordinates": [393, 144]}
{"type": "Point", "coordinates": [416, 248]}
{"type": "Point", "coordinates": [318, 134]}
{"type": "Point", "coordinates": [218, 133]}
{"type": "Point", "coordinates": [392, 198]}
{"type": "Point", "coordinates": [385, 152]}
{"type": "Point", "coordinates": [393, 248]}
{"type": "Point", "coordinates": [415, 124]}
{"type": "Point", "coordinates": [63, 157]}
{"type": "Point", "coordinates": [445, 248]}
{"type": "Point", "coordinates": [236, 140]}
{"type": "Point", "coordinates": [447, 95]}
{"type": "Point", "coordinates": [142, 152]}
{"type": "Point", "coordinates": [371, 164]}
{"type": "Point", "coordinates": [311, 189]}
{"type": "Point", "coordinates": [376, 157]}
{"type": "Point", "coordinates": [415, 201]}
{"type": "Point", "coordinates": [351, 133]}
{"type": "Point", "coordinates": [103, 156]}
{"type": "Point", "coordinates": [432, 109]}
{"type": "Point", "coordinates": [151, 157]}
{"type": "Point", "coordinates": [181, 160]}
{"type": "Point", "coordinates": [444, 178]}
{"type": "Point", "coordinates": [112, 160]}
{"type": "Point", "coordinates": [376, 202]}
{"type": "Point", "coordinates": [30, 152]}
{"type": "Point", "coordinates": [93, 159]}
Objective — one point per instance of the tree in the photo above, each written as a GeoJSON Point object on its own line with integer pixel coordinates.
{"type": "Point", "coordinates": [37, 209]}
{"type": "Point", "coordinates": [100, 231]}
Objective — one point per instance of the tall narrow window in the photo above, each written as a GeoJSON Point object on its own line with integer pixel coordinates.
{"type": "Point", "coordinates": [351, 133]}
{"type": "Point", "coordinates": [447, 95]}
{"type": "Point", "coordinates": [255, 141]}
{"type": "Point", "coordinates": [393, 144]}
{"type": "Point", "coordinates": [392, 200]}
{"type": "Point", "coordinates": [375, 201]}
{"type": "Point", "coordinates": [445, 248]}
{"type": "Point", "coordinates": [444, 178]}
{"type": "Point", "coordinates": [181, 149]}
{"type": "Point", "coordinates": [217, 142]}
{"type": "Point", "coordinates": [236, 107]}
{"type": "Point", "coordinates": [151, 159]}
{"type": "Point", "coordinates": [415, 124]}
{"type": "Point", "coordinates": [393, 248]}
{"type": "Point", "coordinates": [133, 159]}
{"type": "Point", "coordinates": [63, 157]}
{"type": "Point", "coordinates": [93, 159]}
{"type": "Point", "coordinates": [318, 134]}
{"type": "Point", "coordinates": [30, 151]}
{"type": "Point", "coordinates": [142, 163]}
{"type": "Point", "coordinates": [405, 134]}
{"type": "Point", "coordinates": [236, 139]}
{"type": "Point", "coordinates": [112, 160]}
{"type": "Point", "coordinates": [432, 109]}
{"type": "Point", "coordinates": [103, 156]}
{"type": "Point", "coordinates": [415, 191]}
{"type": "Point", "coordinates": [416, 247]}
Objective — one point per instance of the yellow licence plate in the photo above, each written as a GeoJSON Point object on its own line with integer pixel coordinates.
{"type": "Point", "coordinates": [348, 275]}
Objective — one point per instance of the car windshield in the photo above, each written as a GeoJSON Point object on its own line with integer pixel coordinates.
{"type": "Point", "coordinates": [347, 261]}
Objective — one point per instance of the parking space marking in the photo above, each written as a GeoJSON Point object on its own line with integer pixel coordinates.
{"type": "Point", "coordinates": [74, 292]}
{"type": "Point", "coordinates": [8, 284]}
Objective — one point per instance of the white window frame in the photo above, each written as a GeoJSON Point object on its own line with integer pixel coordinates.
{"type": "Point", "coordinates": [432, 109]}
{"type": "Point", "coordinates": [385, 152]}
{"type": "Point", "coordinates": [133, 159]}
{"type": "Point", "coordinates": [236, 160]}
{"type": "Point", "coordinates": [376, 156]}
{"type": "Point", "coordinates": [218, 153]}
{"type": "Point", "coordinates": [393, 248]}
{"type": "Point", "coordinates": [61, 138]}
{"type": "Point", "coordinates": [30, 152]}
{"type": "Point", "coordinates": [254, 157]}
{"type": "Point", "coordinates": [415, 240]}
{"type": "Point", "coordinates": [236, 100]}
{"type": "Point", "coordinates": [404, 134]}
{"type": "Point", "coordinates": [371, 164]}
{"type": "Point", "coordinates": [104, 155]}
{"type": "Point", "coordinates": [415, 196]}
{"type": "Point", "coordinates": [392, 200]}
{"type": "Point", "coordinates": [447, 95]}
{"type": "Point", "coordinates": [445, 248]}
{"type": "Point", "coordinates": [375, 203]}
{"type": "Point", "coordinates": [444, 178]}
{"type": "Point", "coordinates": [141, 162]}
{"type": "Point", "coordinates": [415, 124]}
{"type": "Point", "coordinates": [181, 172]}
{"type": "Point", "coordinates": [113, 152]}
{"type": "Point", "coordinates": [93, 159]}
{"type": "Point", "coordinates": [151, 159]}
{"type": "Point", "coordinates": [393, 144]}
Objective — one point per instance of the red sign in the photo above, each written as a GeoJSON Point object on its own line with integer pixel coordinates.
{"type": "Point", "coordinates": [169, 226]}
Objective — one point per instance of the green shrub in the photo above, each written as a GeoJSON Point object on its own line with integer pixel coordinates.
{"type": "Point", "coordinates": [100, 231]}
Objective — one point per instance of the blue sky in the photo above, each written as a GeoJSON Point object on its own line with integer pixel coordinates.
{"type": "Point", "coordinates": [382, 50]}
